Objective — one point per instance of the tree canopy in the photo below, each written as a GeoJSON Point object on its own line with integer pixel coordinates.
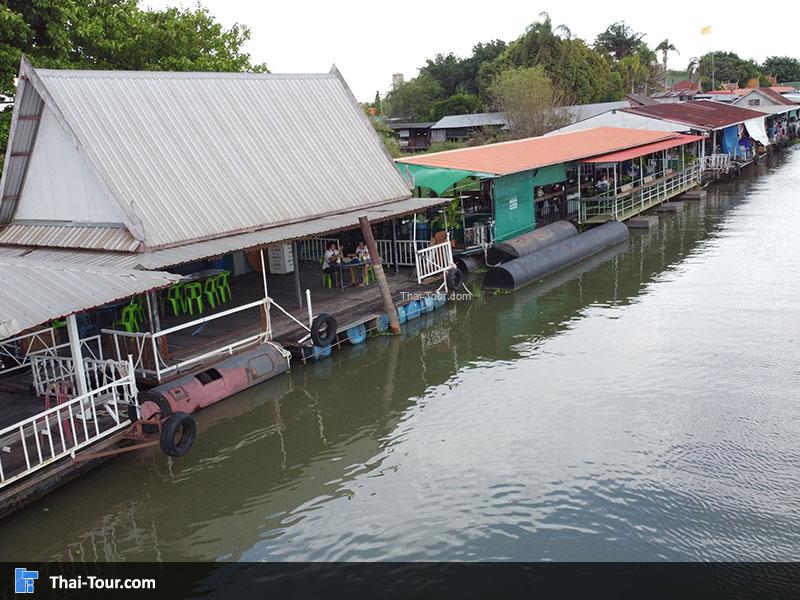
{"type": "Point", "coordinates": [783, 68]}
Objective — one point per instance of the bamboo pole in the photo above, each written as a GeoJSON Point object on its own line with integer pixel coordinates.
{"type": "Point", "coordinates": [380, 276]}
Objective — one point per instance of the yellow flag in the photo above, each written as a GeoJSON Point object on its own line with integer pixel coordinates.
{"type": "Point", "coordinates": [705, 30]}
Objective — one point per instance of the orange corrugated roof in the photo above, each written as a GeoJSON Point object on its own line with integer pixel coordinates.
{"type": "Point", "coordinates": [646, 149]}
{"type": "Point", "coordinates": [532, 153]}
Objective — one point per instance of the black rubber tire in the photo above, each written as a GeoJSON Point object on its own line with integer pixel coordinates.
{"type": "Point", "coordinates": [455, 279]}
{"type": "Point", "coordinates": [178, 434]}
{"type": "Point", "coordinates": [164, 409]}
{"type": "Point", "coordinates": [323, 330]}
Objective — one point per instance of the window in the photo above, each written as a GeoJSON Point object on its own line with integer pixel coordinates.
{"type": "Point", "coordinates": [754, 102]}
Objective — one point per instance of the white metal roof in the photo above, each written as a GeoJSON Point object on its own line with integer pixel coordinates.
{"type": "Point", "coordinates": [617, 118]}
{"type": "Point", "coordinates": [189, 156]}
{"type": "Point", "coordinates": [579, 112]}
{"type": "Point", "coordinates": [33, 292]}
{"type": "Point", "coordinates": [471, 120]}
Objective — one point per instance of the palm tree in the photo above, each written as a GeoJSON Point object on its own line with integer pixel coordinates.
{"type": "Point", "coordinates": [693, 68]}
{"type": "Point", "coordinates": [665, 47]}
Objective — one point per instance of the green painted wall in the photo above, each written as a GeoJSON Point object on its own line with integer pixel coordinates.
{"type": "Point", "coordinates": [513, 205]}
{"type": "Point", "coordinates": [514, 212]}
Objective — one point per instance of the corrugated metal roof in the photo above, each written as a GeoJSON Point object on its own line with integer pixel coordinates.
{"type": "Point", "coordinates": [578, 112]}
{"type": "Point", "coordinates": [396, 126]}
{"type": "Point", "coordinates": [159, 259]}
{"type": "Point", "coordinates": [34, 292]}
{"type": "Point", "coordinates": [68, 236]}
{"type": "Point", "coordinates": [701, 114]}
{"type": "Point", "coordinates": [777, 109]}
{"type": "Point", "coordinates": [471, 120]}
{"type": "Point", "coordinates": [680, 140]}
{"type": "Point", "coordinates": [201, 155]}
{"type": "Point", "coordinates": [768, 93]}
{"type": "Point", "coordinates": [532, 153]}
{"type": "Point", "coordinates": [623, 120]}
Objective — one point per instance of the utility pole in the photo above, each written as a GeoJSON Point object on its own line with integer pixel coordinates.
{"type": "Point", "coordinates": [380, 276]}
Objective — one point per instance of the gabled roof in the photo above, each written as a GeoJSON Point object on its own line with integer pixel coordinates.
{"type": "Point", "coordinates": [496, 119]}
{"type": "Point", "coordinates": [700, 114]}
{"type": "Point", "coordinates": [625, 120]}
{"type": "Point", "coordinates": [768, 93]}
{"type": "Point", "coordinates": [579, 112]}
{"type": "Point", "coordinates": [180, 157]}
{"type": "Point", "coordinates": [532, 153]}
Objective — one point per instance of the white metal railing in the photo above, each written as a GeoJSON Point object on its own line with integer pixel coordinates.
{"type": "Point", "coordinates": [15, 353]}
{"type": "Point", "coordinates": [623, 206]}
{"type": "Point", "coordinates": [69, 426]}
{"type": "Point", "coordinates": [48, 369]}
{"type": "Point", "coordinates": [312, 250]}
{"type": "Point", "coordinates": [717, 162]}
{"type": "Point", "coordinates": [91, 347]}
{"type": "Point", "coordinates": [434, 259]}
{"type": "Point", "coordinates": [149, 342]}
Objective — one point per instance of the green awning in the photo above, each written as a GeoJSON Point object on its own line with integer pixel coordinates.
{"type": "Point", "coordinates": [434, 178]}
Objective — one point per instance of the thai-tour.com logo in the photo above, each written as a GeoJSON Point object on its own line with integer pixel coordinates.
{"type": "Point", "coordinates": [24, 580]}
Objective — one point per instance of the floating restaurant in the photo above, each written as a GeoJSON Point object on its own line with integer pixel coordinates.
{"type": "Point", "coordinates": [168, 232]}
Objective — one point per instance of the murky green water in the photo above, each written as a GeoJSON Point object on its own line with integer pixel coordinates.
{"type": "Point", "coordinates": [642, 406]}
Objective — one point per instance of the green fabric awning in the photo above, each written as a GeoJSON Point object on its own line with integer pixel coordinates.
{"type": "Point", "coordinates": [434, 178]}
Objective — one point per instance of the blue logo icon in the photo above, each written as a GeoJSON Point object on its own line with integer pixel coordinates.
{"type": "Point", "coordinates": [23, 580]}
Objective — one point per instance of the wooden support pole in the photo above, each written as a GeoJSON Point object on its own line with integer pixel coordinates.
{"type": "Point", "coordinates": [380, 276]}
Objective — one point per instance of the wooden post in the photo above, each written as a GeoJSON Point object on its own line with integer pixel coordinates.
{"type": "Point", "coordinates": [296, 250]}
{"type": "Point", "coordinates": [380, 276]}
{"type": "Point", "coordinates": [155, 322]}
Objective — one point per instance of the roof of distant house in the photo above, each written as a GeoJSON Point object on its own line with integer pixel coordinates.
{"type": "Point", "coordinates": [700, 114]}
{"type": "Point", "coordinates": [685, 85]}
{"type": "Point", "coordinates": [769, 93]}
{"type": "Point", "coordinates": [495, 119]}
{"type": "Point", "coordinates": [404, 125]}
{"type": "Point", "coordinates": [532, 153]}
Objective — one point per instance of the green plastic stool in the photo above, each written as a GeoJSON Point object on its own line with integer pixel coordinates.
{"type": "Point", "coordinates": [211, 291]}
{"type": "Point", "coordinates": [224, 286]}
{"type": "Point", "coordinates": [327, 280]}
{"type": "Point", "coordinates": [370, 275]}
{"type": "Point", "coordinates": [193, 294]}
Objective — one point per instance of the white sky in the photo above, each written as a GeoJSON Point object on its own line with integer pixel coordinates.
{"type": "Point", "coordinates": [369, 41]}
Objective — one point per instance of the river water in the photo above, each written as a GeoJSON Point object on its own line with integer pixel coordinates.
{"type": "Point", "coordinates": [640, 406]}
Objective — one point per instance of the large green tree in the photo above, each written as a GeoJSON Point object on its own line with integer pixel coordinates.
{"type": "Point", "coordinates": [784, 68]}
{"type": "Point", "coordinates": [114, 34]}
{"type": "Point", "coordinates": [414, 99]}
{"type": "Point", "coordinates": [618, 40]}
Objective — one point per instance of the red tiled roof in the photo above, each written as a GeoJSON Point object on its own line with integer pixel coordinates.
{"type": "Point", "coordinates": [702, 114]}
{"type": "Point", "coordinates": [532, 153]}
{"type": "Point", "coordinates": [680, 140]}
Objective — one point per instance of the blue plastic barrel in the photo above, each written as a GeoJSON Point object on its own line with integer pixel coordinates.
{"type": "Point", "coordinates": [382, 323]}
{"type": "Point", "coordinates": [357, 334]}
{"type": "Point", "coordinates": [413, 309]}
{"type": "Point", "coordinates": [322, 351]}
{"type": "Point", "coordinates": [401, 314]}
{"type": "Point", "coordinates": [428, 304]}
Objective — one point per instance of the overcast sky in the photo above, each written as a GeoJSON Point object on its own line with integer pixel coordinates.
{"type": "Point", "coordinates": [369, 41]}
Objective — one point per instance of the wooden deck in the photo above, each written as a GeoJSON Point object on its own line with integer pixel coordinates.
{"type": "Point", "coordinates": [348, 306]}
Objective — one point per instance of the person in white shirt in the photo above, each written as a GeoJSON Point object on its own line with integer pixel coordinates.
{"type": "Point", "coordinates": [362, 254]}
{"type": "Point", "coordinates": [329, 259]}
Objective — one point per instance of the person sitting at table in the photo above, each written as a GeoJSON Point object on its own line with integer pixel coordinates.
{"type": "Point", "coordinates": [601, 185]}
{"type": "Point", "coordinates": [329, 259]}
{"type": "Point", "coordinates": [362, 254]}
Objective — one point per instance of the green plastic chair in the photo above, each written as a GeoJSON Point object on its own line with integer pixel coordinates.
{"type": "Point", "coordinates": [138, 310]}
{"type": "Point", "coordinates": [224, 286]}
{"type": "Point", "coordinates": [128, 320]}
{"type": "Point", "coordinates": [370, 275]}
{"type": "Point", "coordinates": [193, 295]}
{"type": "Point", "coordinates": [211, 291]}
{"type": "Point", "coordinates": [175, 297]}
